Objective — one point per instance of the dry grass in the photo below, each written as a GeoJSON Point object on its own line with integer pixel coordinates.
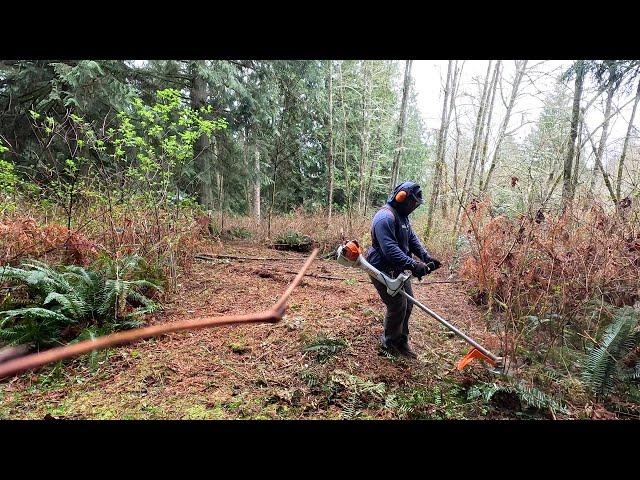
{"type": "Point", "coordinates": [546, 275]}
{"type": "Point", "coordinates": [328, 234]}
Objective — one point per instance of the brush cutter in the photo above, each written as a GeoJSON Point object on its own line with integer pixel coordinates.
{"type": "Point", "coordinates": [350, 255]}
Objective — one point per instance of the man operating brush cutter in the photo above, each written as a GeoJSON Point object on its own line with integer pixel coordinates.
{"type": "Point", "coordinates": [393, 243]}
{"type": "Point", "coordinates": [390, 255]}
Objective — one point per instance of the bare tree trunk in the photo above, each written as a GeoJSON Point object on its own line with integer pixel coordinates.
{"type": "Point", "coordinates": [483, 124]}
{"type": "Point", "coordinates": [364, 141]}
{"type": "Point", "coordinates": [483, 156]}
{"type": "Point", "coordinates": [567, 184]}
{"type": "Point", "coordinates": [576, 166]}
{"type": "Point", "coordinates": [221, 196]}
{"type": "Point", "coordinates": [245, 169]}
{"type": "Point", "coordinates": [273, 197]}
{"type": "Point", "coordinates": [503, 128]}
{"type": "Point", "coordinates": [444, 190]}
{"type": "Point", "coordinates": [256, 184]}
{"type": "Point", "coordinates": [372, 169]}
{"type": "Point", "coordinates": [218, 170]}
{"type": "Point", "coordinates": [456, 158]}
{"type": "Point", "coordinates": [204, 162]}
{"type": "Point", "coordinates": [603, 141]}
{"type": "Point", "coordinates": [344, 147]}
{"type": "Point", "coordinates": [474, 146]}
{"type": "Point", "coordinates": [435, 188]}
{"type": "Point", "coordinates": [401, 121]}
{"type": "Point", "coordinates": [626, 145]}
{"type": "Point", "coordinates": [444, 179]}
{"type": "Point", "coordinates": [330, 158]}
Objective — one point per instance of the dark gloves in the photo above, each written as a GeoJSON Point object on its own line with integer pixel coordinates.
{"type": "Point", "coordinates": [432, 264]}
{"type": "Point", "coordinates": [422, 269]}
{"type": "Point", "coordinates": [419, 270]}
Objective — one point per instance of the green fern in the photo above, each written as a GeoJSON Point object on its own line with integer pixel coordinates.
{"type": "Point", "coordinates": [350, 407]}
{"type": "Point", "coordinates": [358, 391]}
{"type": "Point", "coordinates": [402, 408]}
{"type": "Point", "coordinates": [71, 304]}
{"type": "Point", "coordinates": [74, 296]}
{"type": "Point", "coordinates": [123, 287]}
{"type": "Point", "coordinates": [391, 401]}
{"type": "Point", "coordinates": [310, 378]}
{"type": "Point", "coordinates": [602, 366]}
{"type": "Point", "coordinates": [32, 324]}
{"type": "Point", "coordinates": [325, 347]}
{"type": "Point", "coordinates": [535, 398]}
{"type": "Point", "coordinates": [530, 396]}
{"type": "Point", "coordinates": [39, 278]}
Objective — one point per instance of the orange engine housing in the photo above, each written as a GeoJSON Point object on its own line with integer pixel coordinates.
{"type": "Point", "coordinates": [352, 250]}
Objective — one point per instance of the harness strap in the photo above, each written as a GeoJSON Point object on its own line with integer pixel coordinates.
{"type": "Point", "coordinates": [374, 240]}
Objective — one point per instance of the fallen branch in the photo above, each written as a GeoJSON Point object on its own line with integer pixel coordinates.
{"type": "Point", "coordinates": [210, 257]}
{"type": "Point", "coordinates": [329, 277]}
{"type": "Point", "coordinates": [206, 256]}
{"type": "Point", "coordinates": [35, 360]}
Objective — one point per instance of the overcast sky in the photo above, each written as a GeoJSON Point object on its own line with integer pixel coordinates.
{"type": "Point", "coordinates": [430, 75]}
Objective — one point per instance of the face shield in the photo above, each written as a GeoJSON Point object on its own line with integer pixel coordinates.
{"type": "Point", "coordinates": [413, 201]}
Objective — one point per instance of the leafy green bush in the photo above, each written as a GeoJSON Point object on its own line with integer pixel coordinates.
{"type": "Point", "coordinates": [292, 238]}
{"type": "Point", "coordinates": [61, 303]}
{"type": "Point", "coordinates": [239, 232]}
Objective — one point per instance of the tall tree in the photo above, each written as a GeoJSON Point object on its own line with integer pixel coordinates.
{"type": "Point", "coordinates": [603, 141]}
{"type": "Point", "coordinates": [520, 71]}
{"type": "Point", "coordinates": [444, 183]}
{"type": "Point", "coordinates": [567, 184]}
{"type": "Point", "coordinates": [485, 143]}
{"type": "Point", "coordinates": [347, 183]}
{"type": "Point", "coordinates": [626, 145]}
{"type": "Point", "coordinates": [204, 161]}
{"type": "Point", "coordinates": [330, 139]}
{"type": "Point", "coordinates": [439, 164]}
{"type": "Point", "coordinates": [576, 166]}
{"type": "Point", "coordinates": [401, 121]}
{"type": "Point", "coordinates": [474, 147]}
{"type": "Point", "coordinates": [365, 134]}
{"type": "Point", "coordinates": [256, 184]}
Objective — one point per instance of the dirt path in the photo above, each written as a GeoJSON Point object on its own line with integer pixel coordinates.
{"type": "Point", "coordinates": [265, 371]}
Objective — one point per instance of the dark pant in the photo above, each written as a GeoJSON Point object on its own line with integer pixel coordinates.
{"type": "Point", "coordinates": [396, 320]}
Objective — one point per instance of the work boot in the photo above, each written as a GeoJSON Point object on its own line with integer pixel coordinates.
{"type": "Point", "coordinates": [406, 351]}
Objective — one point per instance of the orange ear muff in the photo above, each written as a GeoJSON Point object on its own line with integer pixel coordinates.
{"type": "Point", "coordinates": [401, 196]}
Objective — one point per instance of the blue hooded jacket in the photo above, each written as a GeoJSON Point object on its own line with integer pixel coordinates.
{"type": "Point", "coordinates": [392, 246]}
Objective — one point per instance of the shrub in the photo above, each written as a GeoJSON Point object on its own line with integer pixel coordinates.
{"type": "Point", "coordinates": [604, 364]}
{"type": "Point", "coordinates": [61, 303]}
{"type": "Point", "coordinates": [539, 274]}
{"type": "Point", "coordinates": [239, 232]}
{"type": "Point", "coordinates": [292, 238]}
{"type": "Point", "coordinates": [22, 237]}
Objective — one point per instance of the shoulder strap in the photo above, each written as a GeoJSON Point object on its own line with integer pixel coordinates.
{"type": "Point", "coordinates": [396, 222]}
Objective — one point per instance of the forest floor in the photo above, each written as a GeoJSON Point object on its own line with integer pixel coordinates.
{"type": "Point", "coordinates": [266, 371]}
